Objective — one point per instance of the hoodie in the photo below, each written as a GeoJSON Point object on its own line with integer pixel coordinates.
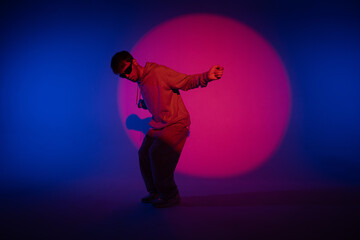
{"type": "Point", "coordinates": [160, 87]}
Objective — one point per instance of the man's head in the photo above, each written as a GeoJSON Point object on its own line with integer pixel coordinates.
{"type": "Point", "coordinates": [124, 65]}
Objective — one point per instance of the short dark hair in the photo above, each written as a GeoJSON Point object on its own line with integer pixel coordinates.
{"type": "Point", "coordinates": [118, 59]}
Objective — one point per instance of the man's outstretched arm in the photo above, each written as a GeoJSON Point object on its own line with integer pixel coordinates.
{"type": "Point", "coordinates": [186, 82]}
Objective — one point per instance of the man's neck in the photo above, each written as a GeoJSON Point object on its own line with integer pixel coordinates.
{"type": "Point", "coordinates": [141, 70]}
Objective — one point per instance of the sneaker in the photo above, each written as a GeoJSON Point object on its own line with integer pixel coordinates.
{"type": "Point", "coordinates": [164, 203]}
{"type": "Point", "coordinates": [150, 198]}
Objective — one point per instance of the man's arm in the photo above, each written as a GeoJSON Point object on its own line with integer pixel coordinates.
{"type": "Point", "coordinates": [186, 82]}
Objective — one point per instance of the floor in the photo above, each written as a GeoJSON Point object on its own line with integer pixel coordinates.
{"type": "Point", "coordinates": [103, 212]}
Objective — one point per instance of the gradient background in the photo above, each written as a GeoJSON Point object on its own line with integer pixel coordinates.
{"type": "Point", "coordinates": [67, 165]}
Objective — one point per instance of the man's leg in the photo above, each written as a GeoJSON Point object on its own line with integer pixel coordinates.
{"type": "Point", "coordinates": [165, 153]}
{"type": "Point", "coordinates": [145, 164]}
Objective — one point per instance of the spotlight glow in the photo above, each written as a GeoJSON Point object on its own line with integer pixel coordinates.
{"type": "Point", "coordinates": [238, 121]}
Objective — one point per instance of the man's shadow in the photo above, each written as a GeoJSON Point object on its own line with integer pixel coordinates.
{"type": "Point", "coordinates": [133, 122]}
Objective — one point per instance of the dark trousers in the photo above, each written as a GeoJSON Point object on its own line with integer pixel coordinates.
{"type": "Point", "coordinates": [158, 157]}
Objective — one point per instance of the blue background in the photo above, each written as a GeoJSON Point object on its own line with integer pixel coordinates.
{"type": "Point", "coordinates": [60, 125]}
{"type": "Point", "coordinates": [59, 116]}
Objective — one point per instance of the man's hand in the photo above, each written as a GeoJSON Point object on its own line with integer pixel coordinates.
{"type": "Point", "coordinates": [215, 72]}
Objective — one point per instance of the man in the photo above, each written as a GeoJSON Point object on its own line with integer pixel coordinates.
{"type": "Point", "coordinates": [163, 143]}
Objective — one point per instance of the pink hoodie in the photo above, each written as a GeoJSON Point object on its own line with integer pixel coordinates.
{"type": "Point", "coordinates": [160, 89]}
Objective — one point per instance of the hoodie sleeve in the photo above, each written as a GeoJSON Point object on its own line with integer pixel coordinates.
{"type": "Point", "coordinates": [185, 82]}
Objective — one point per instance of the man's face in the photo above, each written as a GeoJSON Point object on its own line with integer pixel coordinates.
{"type": "Point", "coordinates": [129, 71]}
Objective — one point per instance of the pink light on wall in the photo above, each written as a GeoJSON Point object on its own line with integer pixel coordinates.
{"type": "Point", "coordinates": [237, 122]}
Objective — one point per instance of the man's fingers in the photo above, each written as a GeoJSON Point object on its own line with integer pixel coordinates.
{"type": "Point", "coordinates": [218, 67]}
{"type": "Point", "coordinates": [217, 70]}
{"type": "Point", "coordinates": [218, 74]}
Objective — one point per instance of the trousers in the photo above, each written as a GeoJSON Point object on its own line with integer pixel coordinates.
{"type": "Point", "coordinates": [158, 156]}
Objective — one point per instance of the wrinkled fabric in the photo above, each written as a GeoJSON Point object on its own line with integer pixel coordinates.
{"type": "Point", "coordinates": [160, 87]}
{"type": "Point", "coordinates": [158, 157]}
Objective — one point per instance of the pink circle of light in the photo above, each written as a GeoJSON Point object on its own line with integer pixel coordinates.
{"type": "Point", "coordinates": [238, 121]}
